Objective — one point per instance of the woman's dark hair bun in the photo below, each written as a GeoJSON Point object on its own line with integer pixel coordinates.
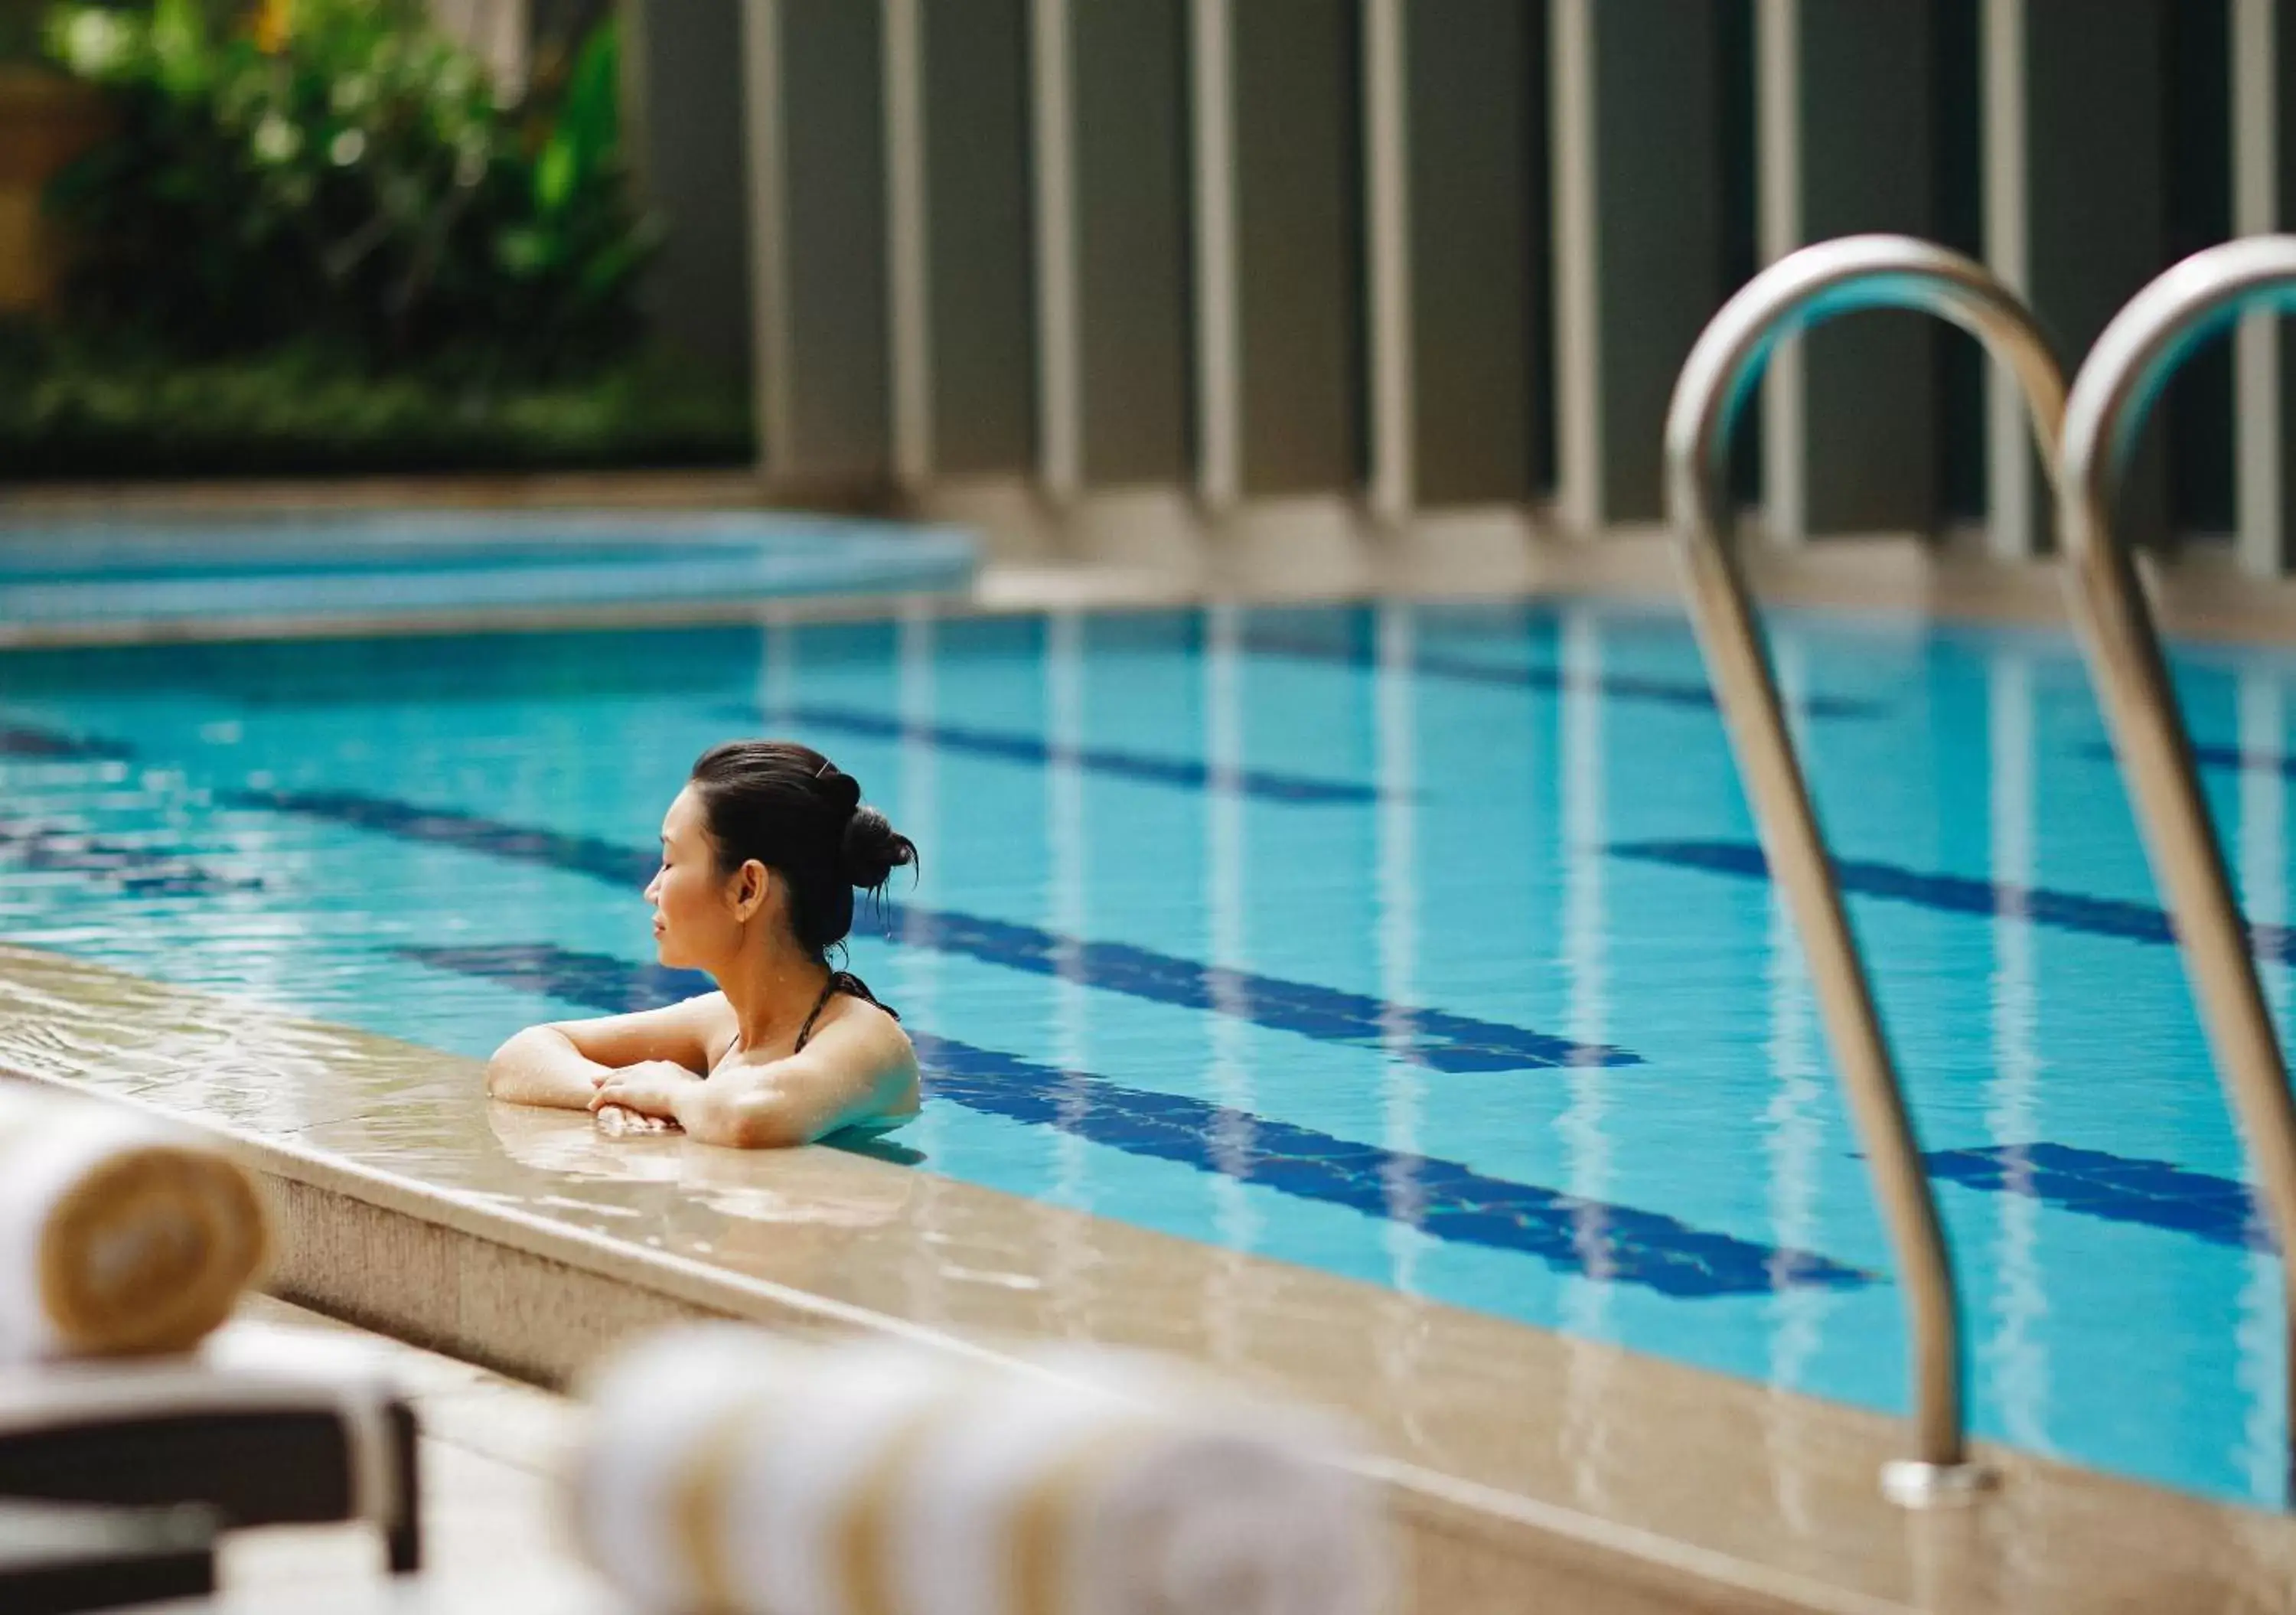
{"type": "Point", "coordinates": [872, 849]}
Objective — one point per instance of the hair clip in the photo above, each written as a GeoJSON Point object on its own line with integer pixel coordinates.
{"type": "Point", "coordinates": [826, 769]}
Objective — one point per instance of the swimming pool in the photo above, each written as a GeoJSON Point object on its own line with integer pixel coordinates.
{"type": "Point", "coordinates": [67, 581]}
{"type": "Point", "coordinates": [1424, 945]}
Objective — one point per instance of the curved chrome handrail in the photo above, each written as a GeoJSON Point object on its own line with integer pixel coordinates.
{"type": "Point", "coordinates": [2132, 361]}
{"type": "Point", "coordinates": [1813, 284]}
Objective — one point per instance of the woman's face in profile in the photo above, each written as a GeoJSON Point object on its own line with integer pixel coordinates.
{"type": "Point", "coordinates": [694, 920]}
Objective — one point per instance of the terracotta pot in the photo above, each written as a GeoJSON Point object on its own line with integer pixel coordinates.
{"type": "Point", "coordinates": [45, 122]}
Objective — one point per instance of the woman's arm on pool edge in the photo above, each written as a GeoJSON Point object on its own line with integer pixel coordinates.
{"type": "Point", "coordinates": [856, 1069]}
{"type": "Point", "coordinates": [560, 1063]}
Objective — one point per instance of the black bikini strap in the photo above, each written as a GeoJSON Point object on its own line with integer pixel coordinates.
{"type": "Point", "coordinates": [828, 991]}
{"type": "Point", "coordinates": [839, 981]}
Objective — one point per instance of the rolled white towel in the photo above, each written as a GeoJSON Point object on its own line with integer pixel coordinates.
{"type": "Point", "coordinates": [119, 1234]}
{"type": "Point", "coordinates": [727, 1471]}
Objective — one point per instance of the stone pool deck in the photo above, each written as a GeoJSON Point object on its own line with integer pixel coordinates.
{"type": "Point", "coordinates": [1498, 552]}
{"type": "Point", "coordinates": [1528, 1470]}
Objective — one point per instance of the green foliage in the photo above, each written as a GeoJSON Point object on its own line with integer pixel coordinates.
{"type": "Point", "coordinates": [20, 30]}
{"type": "Point", "coordinates": [71, 411]}
{"type": "Point", "coordinates": [341, 174]}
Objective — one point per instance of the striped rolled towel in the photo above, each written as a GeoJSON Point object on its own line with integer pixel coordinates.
{"type": "Point", "coordinates": [725, 1471]}
{"type": "Point", "coordinates": [119, 1234]}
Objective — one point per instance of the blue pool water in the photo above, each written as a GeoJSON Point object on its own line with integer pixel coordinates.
{"type": "Point", "coordinates": [1427, 946]}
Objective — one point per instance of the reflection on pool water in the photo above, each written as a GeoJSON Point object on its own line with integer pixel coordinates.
{"type": "Point", "coordinates": [1426, 945]}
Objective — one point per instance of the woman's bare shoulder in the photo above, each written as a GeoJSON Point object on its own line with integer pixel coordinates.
{"type": "Point", "coordinates": [864, 1022]}
{"type": "Point", "coordinates": [708, 1015]}
{"type": "Point", "coordinates": [894, 1080]}
{"type": "Point", "coordinates": [710, 1009]}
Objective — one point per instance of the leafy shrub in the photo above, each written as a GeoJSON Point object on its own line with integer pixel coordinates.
{"type": "Point", "coordinates": [20, 32]}
{"type": "Point", "coordinates": [341, 173]}
{"type": "Point", "coordinates": [73, 410]}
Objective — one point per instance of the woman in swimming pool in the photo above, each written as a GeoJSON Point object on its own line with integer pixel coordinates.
{"type": "Point", "coordinates": [760, 854]}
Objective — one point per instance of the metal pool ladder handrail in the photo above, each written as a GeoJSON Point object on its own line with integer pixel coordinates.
{"type": "Point", "coordinates": [2125, 371]}
{"type": "Point", "coordinates": [1796, 292]}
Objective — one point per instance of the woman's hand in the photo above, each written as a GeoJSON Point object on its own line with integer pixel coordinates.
{"type": "Point", "coordinates": [611, 1119]}
{"type": "Point", "coordinates": [649, 1090]}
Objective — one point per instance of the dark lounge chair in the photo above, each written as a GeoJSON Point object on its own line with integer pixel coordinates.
{"type": "Point", "coordinates": [265, 1426]}
{"type": "Point", "coordinates": [57, 1558]}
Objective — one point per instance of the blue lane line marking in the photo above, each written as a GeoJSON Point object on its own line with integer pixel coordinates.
{"type": "Point", "coordinates": [1434, 1039]}
{"type": "Point", "coordinates": [2117, 1188]}
{"type": "Point", "coordinates": [140, 871]}
{"type": "Point", "coordinates": [1614, 687]}
{"type": "Point", "coordinates": [1443, 1199]}
{"type": "Point", "coordinates": [2230, 759]}
{"type": "Point", "coordinates": [1292, 788]}
{"type": "Point", "coordinates": [1959, 894]}
{"type": "Point", "coordinates": [25, 740]}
